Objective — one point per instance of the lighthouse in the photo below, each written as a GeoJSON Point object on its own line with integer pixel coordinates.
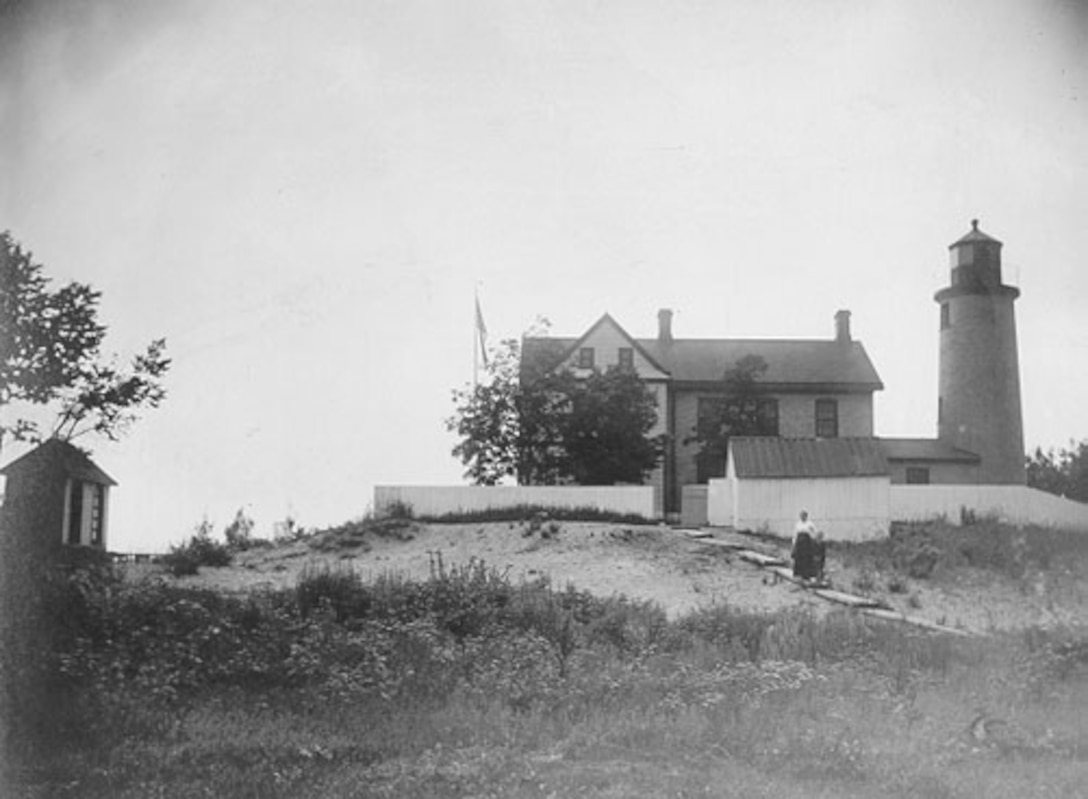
{"type": "Point", "coordinates": [978, 406]}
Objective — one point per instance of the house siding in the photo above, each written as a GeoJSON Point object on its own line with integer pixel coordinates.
{"type": "Point", "coordinates": [797, 415]}
{"type": "Point", "coordinates": [796, 419]}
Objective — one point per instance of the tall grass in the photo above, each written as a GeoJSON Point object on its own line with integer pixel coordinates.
{"type": "Point", "coordinates": [468, 683]}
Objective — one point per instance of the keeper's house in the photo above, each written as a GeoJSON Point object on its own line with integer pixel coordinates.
{"type": "Point", "coordinates": [821, 392]}
{"type": "Point", "coordinates": [811, 388]}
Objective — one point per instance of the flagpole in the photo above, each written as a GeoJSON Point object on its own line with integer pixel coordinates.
{"type": "Point", "coordinates": [476, 340]}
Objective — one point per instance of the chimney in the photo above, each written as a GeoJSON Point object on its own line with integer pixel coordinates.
{"type": "Point", "coordinates": [664, 326]}
{"type": "Point", "coordinates": [842, 326]}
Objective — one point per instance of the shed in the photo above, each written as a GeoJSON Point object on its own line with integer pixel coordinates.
{"type": "Point", "coordinates": [842, 482]}
{"type": "Point", "coordinates": [54, 495]}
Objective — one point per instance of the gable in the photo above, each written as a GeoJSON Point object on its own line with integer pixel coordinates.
{"type": "Point", "coordinates": [606, 338]}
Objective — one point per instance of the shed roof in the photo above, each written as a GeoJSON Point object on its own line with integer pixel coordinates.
{"type": "Point", "coordinates": [55, 453]}
{"type": "Point", "coordinates": [925, 449]}
{"type": "Point", "coordinates": [761, 457]}
{"type": "Point", "coordinates": [790, 362]}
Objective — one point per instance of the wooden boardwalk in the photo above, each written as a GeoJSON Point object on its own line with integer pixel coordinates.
{"type": "Point", "coordinates": [779, 567]}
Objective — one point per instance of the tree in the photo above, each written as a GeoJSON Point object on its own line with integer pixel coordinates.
{"type": "Point", "coordinates": [605, 434]}
{"type": "Point", "coordinates": [547, 426]}
{"type": "Point", "coordinates": [1064, 473]}
{"type": "Point", "coordinates": [50, 356]}
{"type": "Point", "coordinates": [487, 419]}
{"type": "Point", "coordinates": [740, 410]}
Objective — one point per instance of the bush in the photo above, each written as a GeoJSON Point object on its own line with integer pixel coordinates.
{"type": "Point", "coordinates": [200, 550]}
{"type": "Point", "coordinates": [239, 533]}
{"type": "Point", "coordinates": [519, 513]}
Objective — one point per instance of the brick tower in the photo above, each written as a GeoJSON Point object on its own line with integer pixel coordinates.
{"type": "Point", "coordinates": [979, 391]}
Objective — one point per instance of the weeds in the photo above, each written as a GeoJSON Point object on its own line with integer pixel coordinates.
{"type": "Point", "coordinates": [518, 513]}
{"type": "Point", "coordinates": [469, 683]}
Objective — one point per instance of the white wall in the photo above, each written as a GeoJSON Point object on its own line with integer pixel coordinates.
{"type": "Point", "coordinates": [1013, 504]}
{"type": "Point", "coordinates": [845, 509]}
{"type": "Point", "coordinates": [440, 500]}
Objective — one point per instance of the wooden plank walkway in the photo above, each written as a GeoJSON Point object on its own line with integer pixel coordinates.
{"type": "Point", "coordinates": [778, 566]}
{"type": "Point", "coordinates": [831, 595]}
{"type": "Point", "coordinates": [759, 559]}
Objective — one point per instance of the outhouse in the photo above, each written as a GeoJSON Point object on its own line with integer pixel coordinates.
{"type": "Point", "coordinates": [55, 495]}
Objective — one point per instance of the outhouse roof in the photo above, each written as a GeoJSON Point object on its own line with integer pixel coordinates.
{"type": "Point", "coordinates": [767, 456]}
{"type": "Point", "coordinates": [57, 453]}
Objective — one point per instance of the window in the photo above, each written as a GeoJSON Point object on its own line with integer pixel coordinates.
{"type": "Point", "coordinates": [585, 358]}
{"type": "Point", "coordinates": [917, 475]}
{"type": "Point", "coordinates": [768, 417]}
{"type": "Point", "coordinates": [627, 358]}
{"type": "Point", "coordinates": [946, 316]}
{"type": "Point", "coordinates": [75, 513]}
{"type": "Point", "coordinates": [98, 506]}
{"type": "Point", "coordinates": [747, 416]}
{"type": "Point", "coordinates": [827, 418]}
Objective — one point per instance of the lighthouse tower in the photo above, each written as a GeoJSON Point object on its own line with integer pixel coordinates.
{"type": "Point", "coordinates": [979, 387]}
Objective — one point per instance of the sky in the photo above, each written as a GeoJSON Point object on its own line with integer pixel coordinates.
{"type": "Point", "coordinates": [304, 199]}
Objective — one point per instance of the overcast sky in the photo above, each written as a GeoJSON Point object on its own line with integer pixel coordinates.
{"type": "Point", "coordinates": [303, 197]}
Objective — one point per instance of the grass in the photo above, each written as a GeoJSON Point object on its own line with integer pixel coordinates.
{"type": "Point", "coordinates": [470, 684]}
{"type": "Point", "coordinates": [940, 552]}
{"type": "Point", "coordinates": [526, 513]}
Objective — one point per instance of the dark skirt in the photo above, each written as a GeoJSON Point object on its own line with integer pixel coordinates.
{"type": "Point", "coordinates": [804, 561]}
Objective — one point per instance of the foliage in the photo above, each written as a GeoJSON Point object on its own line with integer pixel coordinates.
{"type": "Point", "coordinates": [519, 513]}
{"type": "Point", "coordinates": [487, 419]}
{"type": "Point", "coordinates": [740, 410]}
{"type": "Point", "coordinates": [239, 533]}
{"type": "Point", "coordinates": [50, 355]}
{"type": "Point", "coordinates": [939, 551]}
{"type": "Point", "coordinates": [200, 550]}
{"type": "Point", "coordinates": [545, 427]}
{"type": "Point", "coordinates": [1064, 472]}
{"type": "Point", "coordinates": [605, 434]}
{"type": "Point", "coordinates": [469, 684]}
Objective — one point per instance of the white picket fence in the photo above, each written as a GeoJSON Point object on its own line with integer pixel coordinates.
{"type": "Point", "coordinates": [442, 500]}
{"type": "Point", "coordinates": [1013, 504]}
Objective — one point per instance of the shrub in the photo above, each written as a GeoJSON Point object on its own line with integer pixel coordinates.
{"type": "Point", "coordinates": [518, 513]}
{"type": "Point", "coordinates": [864, 583]}
{"type": "Point", "coordinates": [337, 589]}
{"type": "Point", "coordinates": [239, 533]}
{"type": "Point", "coordinates": [200, 550]}
{"type": "Point", "coordinates": [398, 509]}
{"type": "Point", "coordinates": [896, 585]}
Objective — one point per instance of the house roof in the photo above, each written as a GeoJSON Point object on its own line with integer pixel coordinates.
{"type": "Point", "coordinates": [54, 453]}
{"type": "Point", "coordinates": [790, 362]}
{"type": "Point", "coordinates": [925, 449]}
{"type": "Point", "coordinates": [761, 457]}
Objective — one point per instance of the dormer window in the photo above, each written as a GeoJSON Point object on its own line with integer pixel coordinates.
{"type": "Point", "coordinates": [626, 358]}
{"type": "Point", "coordinates": [585, 358]}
